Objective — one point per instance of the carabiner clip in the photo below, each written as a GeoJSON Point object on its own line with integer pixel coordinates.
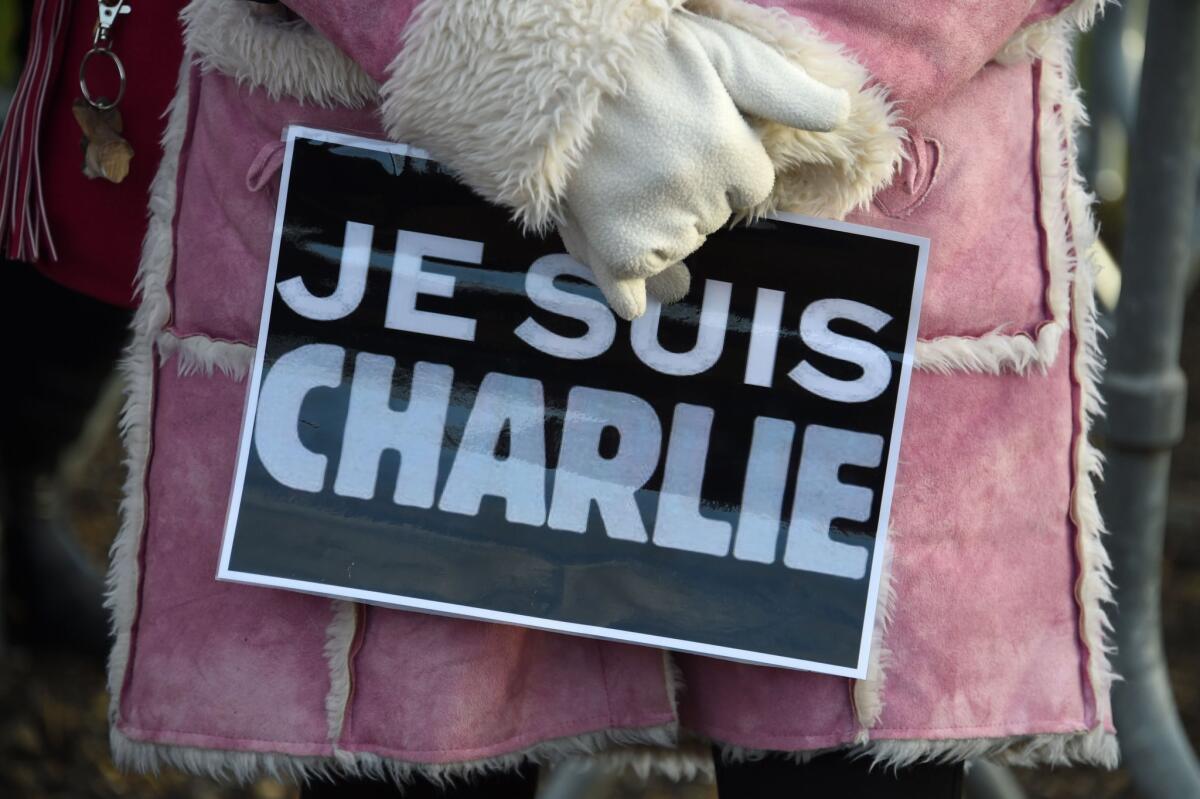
{"type": "Point", "coordinates": [107, 18]}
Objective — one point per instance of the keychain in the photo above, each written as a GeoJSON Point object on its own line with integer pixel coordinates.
{"type": "Point", "coordinates": [106, 153]}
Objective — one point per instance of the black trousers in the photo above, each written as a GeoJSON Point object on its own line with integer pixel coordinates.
{"type": "Point", "coordinates": [519, 784]}
{"type": "Point", "coordinates": [833, 775]}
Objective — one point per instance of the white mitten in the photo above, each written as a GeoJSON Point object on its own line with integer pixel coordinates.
{"type": "Point", "coordinates": [672, 157]}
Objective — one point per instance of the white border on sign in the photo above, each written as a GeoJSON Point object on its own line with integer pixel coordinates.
{"type": "Point", "coordinates": [483, 614]}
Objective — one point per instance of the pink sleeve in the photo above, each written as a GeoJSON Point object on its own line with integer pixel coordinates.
{"type": "Point", "coordinates": [920, 51]}
{"type": "Point", "coordinates": [369, 31]}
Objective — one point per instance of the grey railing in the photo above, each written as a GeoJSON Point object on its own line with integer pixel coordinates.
{"type": "Point", "coordinates": [1146, 390]}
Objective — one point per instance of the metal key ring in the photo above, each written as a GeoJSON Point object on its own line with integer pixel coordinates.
{"type": "Point", "coordinates": [101, 104]}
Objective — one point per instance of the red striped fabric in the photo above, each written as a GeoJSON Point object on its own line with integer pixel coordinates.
{"type": "Point", "coordinates": [24, 225]}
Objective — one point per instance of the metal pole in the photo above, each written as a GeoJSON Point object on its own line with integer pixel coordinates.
{"type": "Point", "coordinates": [1146, 389]}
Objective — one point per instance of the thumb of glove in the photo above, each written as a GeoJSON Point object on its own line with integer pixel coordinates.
{"type": "Point", "coordinates": [625, 295]}
{"type": "Point", "coordinates": [764, 83]}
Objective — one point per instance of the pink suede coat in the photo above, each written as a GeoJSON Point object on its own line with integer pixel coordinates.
{"type": "Point", "coordinates": [991, 639]}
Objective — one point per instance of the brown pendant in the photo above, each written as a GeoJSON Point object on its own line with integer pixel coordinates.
{"type": "Point", "coordinates": [106, 153]}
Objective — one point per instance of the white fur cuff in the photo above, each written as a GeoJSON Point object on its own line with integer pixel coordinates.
{"type": "Point", "coordinates": [284, 59]}
{"type": "Point", "coordinates": [506, 92]}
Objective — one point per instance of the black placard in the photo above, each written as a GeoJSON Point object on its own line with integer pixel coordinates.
{"type": "Point", "coordinates": [444, 416]}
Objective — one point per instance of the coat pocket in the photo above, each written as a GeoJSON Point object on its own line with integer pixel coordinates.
{"type": "Point", "coordinates": [986, 177]}
{"type": "Point", "coordinates": [249, 78]}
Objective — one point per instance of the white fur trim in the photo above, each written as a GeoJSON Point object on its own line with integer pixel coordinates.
{"type": "Point", "coordinates": [1032, 41]}
{"type": "Point", "coordinates": [1094, 589]}
{"type": "Point", "coordinates": [866, 695]}
{"type": "Point", "coordinates": [137, 369]}
{"type": "Point", "coordinates": [673, 676]}
{"type": "Point", "coordinates": [820, 174]}
{"type": "Point", "coordinates": [506, 93]}
{"type": "Point", "coordinates": [995, 353]}
{"type": "Point", "coordinates": [201, 355]}
{"type": "Point", "coordinates": [1059, 115]}
{"type": "Point", "coordinates": [1092, 747]}
{"type": "Point", "coordinates": [283, 58]}
{"type": "Point", "coordinates": [245, 767]}
{"type": "Point", "coordinates": [339, 639]}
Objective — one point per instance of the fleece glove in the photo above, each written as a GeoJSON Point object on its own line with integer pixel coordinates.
{"type": "Point", "coordinates": [672, 157]}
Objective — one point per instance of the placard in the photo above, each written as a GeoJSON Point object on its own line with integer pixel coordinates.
{"type": "Point", "coordinates": [444, 416]}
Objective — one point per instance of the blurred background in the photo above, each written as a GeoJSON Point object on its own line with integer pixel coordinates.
{"type": "Point", "coordinates": [53, 731]}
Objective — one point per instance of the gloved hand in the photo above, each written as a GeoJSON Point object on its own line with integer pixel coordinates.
{"type": "Point", "coordinates": [672, 157]}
